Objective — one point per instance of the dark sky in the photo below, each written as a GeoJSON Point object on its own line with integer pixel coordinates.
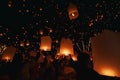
{"type": "Point", "coordinates": [106, 52]}
{"type": "Point", "coordinates": [23, 18]}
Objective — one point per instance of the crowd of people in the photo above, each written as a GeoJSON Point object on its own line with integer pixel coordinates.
{"type": "Point", "coordinates": [57, 69]}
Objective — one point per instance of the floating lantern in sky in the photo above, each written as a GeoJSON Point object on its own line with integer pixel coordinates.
{"type": "Point", "coordinates": [45, 43]}
{"type": "Point", "coordinates": [9, 53]}
{"type": "Point", "coordinates": [9, 3]}
{"type": "Point", "coordinates": [66, 47]}
{"type": "Point", "coordinates": [72, 11]}
{"type": "Point", "coordinates": [105, 53]}
{"type": "Point", "coordinates": [27, 43]}
{"type": "Point", "coordinates": [22, 44]}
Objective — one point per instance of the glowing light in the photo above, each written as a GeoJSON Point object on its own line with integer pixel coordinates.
{"type": "Point", "coordinates": [44, 48]}
{"type": "Point", "coordinates": [27, 43]}
{"type": "Point", "coordinates": [10, 4]}
{"type": "Point", "coordinates": [21, 44]}
{"type": "Point", "coordinates": [50, 30]}
{"type": "Point", "coordinates": [73, 14]}
{"type": "Point", "coordinates": [66, 52]}
{"type": "Point", "coordinates": [27, 10]}
{"type": "Point", "coordinates": [72, 11]}
{"type": "Point", "coordinates": [41, 32]}
{"type": "Point", "coordinates": [74, 57]}
{"type": "Point", "coordinates": [108, 72]}
{"type": "Point", "coordinates": [45, 43]}
{"type": "Point", "coordinates": [56, 41]}
{"type": "Point", "coordinates": [7, 58]}
{"type": "Point", "coordinates": [1, 34]}
{"type": "Point", "coordinates": [66, 47]}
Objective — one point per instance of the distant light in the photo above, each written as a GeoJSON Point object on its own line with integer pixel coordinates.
{"type": "Point", "coordinates": [1, 34]}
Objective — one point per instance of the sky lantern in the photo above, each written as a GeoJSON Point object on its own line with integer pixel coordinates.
{"type": "Point", "coordinates": [105, 53]}
{"type": "Point", "coordinates": [45, 44]}
{"type": "Point", "coordinates": [66, 47]}
{"type": "Point", "coordinates": [9, 53]}
{"type": "Point", "coordinates": [9, 3]}
{"type": "Point", "coordinates": [72, 11]}
{"type": "Point", "coordinates": [27, 43]}
{"type": "Point", "coordinates": [22, 44]}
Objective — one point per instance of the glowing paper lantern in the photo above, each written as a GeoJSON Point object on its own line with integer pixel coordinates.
{"type": "Point", "coordinates": [72, 11]}
{"type": "Point", "coordinates": [66, 47]}
{"type": "Point", "coordinates": [22, 44]}
{"type": "Point", "coordinates": [9, 53]}
{"type": "Point", "coordinates": [27, 43]}
{"type": "Point", "coordinates": [105, 53]}
{"type": "Point", "coordinates": [45, 43]}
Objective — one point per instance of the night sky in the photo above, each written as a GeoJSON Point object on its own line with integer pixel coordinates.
{"type": "Point", "coordinates": [24, 20]}
{"type": "Point", "coordinates": [26, 12]}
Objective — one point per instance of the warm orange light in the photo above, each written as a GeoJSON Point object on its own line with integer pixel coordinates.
{"type": "Point", "coordinates": [7, 58]}
{"type": "Point", "coordinates": [72, 11]}
{"type": "Point", "coordinates": [45, 43]}
{"type": "Point", "coordinates": [9, 3]}
{"type": "Point", "coordinates": [66, 47]}
{"type": "Point", "coordinates": [65, 52]}
{"type": "Point", "coordinates": [41, 32]}
{"type": "Point", "coordinates": [27, 43]}
{"type": "Point", "coordinates": [74, 57]}
{"type": "Point", "coordinates": [21, 44]}
{"type": "Point", "coordinates": [108, 72]}
{"type": "Point", "coordinates": [44, 48]}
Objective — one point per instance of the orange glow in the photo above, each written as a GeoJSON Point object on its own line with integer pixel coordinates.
{"type": "Point", "coordinates": [27, 43]}
{"type": "Point", "coordinates": [108, 72]}
{"type": "Point", "coordinates": [9, 3]}
{"type": "Point", "coordinates": [66, 47]}
{"type": "Point", "coordinates": [21, 44]}
{"type": "Point", "coordinates": [45, 43]}
{"type": "Point", "coordinates": [44, 48]}
{"type": "Point", "coordinates": [7, 58]}
{"type": "Point", "coordinates": [65, 52]}
{"type": "Point", "coordinates": [41, 32]}
{"type": "Point", "coordinates": [74, 57]}
{"type": "Point", "coordinates": [51, 30]}
{"type": "Point", "coordinates": [72, 11]}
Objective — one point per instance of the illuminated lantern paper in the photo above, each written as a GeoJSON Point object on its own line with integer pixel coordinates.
{"type": "Point", "coordinates": [45, 43]}
{"type": "Point", "coordinates": [66, 47]}
{"type": "Point", "coordinates": [74, 57]}
{"type": "Point", "coordinates": [72, 11]}
{"type": "Point", "coordinates": [9, 53]}
{"type": "Point", "coordinates": [27, 43]}
{"type": "Point", "coordinates": [105, 53]}
{"type": "Point", "coordinates": [22, 44]}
